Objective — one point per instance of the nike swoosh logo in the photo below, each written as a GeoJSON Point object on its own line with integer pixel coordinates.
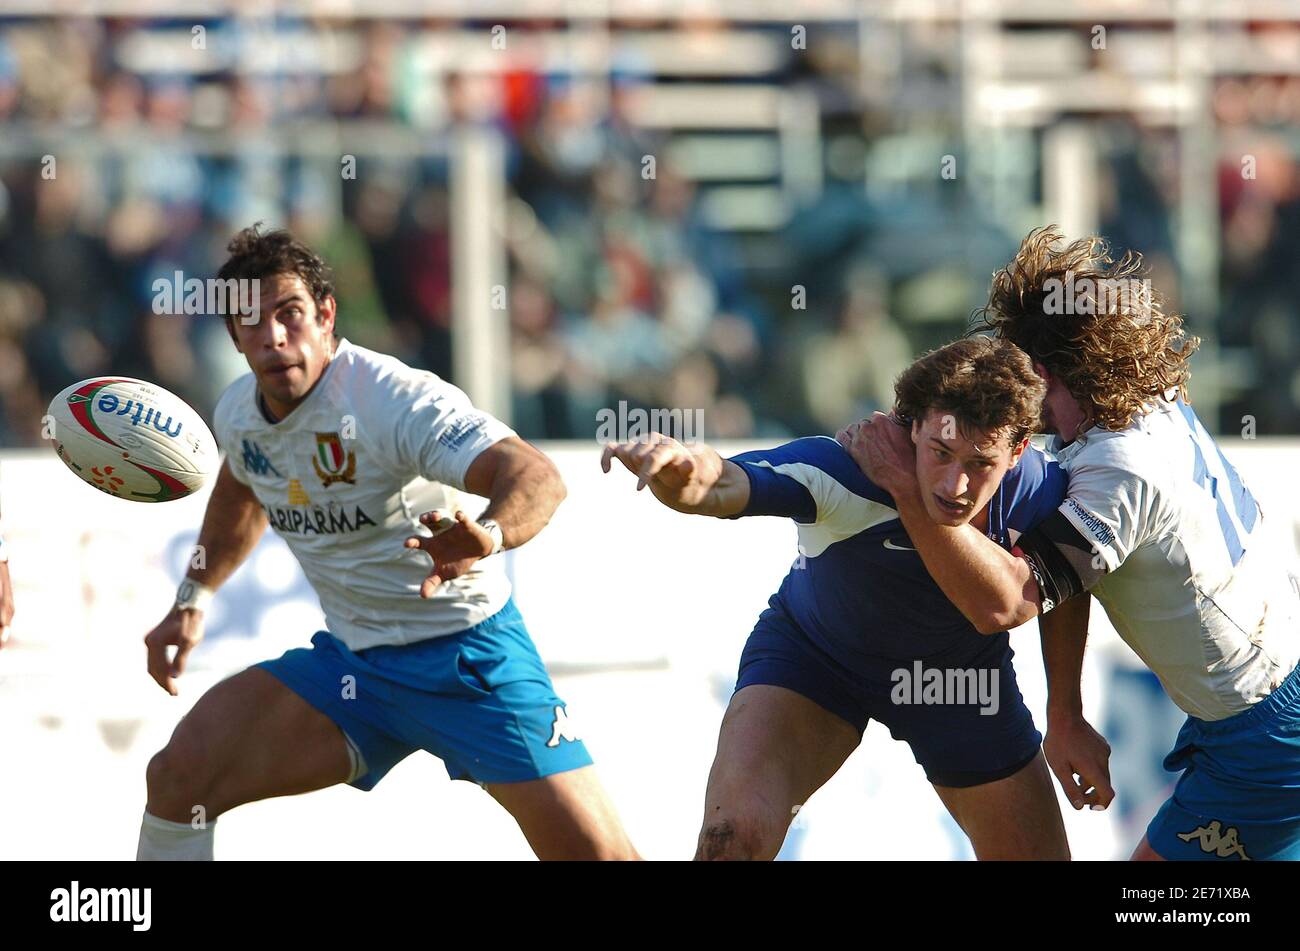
{"type": "Point", "coordinates": [892, 547]}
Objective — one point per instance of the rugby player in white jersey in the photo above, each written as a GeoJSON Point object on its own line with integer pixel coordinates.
{"type": "Point", "coordinates": [353, 458]}
{"type": "Point", "coordinates": [1159, 528]}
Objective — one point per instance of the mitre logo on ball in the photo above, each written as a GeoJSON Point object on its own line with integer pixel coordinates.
{"type": "Point", "coordinates": [132, 439]}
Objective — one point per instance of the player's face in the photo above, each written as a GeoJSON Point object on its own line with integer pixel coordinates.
{"type": "Point", "coordinates": [290, 343]}
{"type": "Point", "coordinates": [959, 471]}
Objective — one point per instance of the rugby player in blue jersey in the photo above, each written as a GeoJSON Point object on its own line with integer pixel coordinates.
{"type": "Point", "coordinates": [858, 609]}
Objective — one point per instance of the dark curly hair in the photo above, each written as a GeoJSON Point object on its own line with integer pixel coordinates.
{"type": "Point", "coordinates": [258, 255]}
{"type": "Point", "coordinates": [986, 383]}
{"type": "Point", "coordinates": [1114, 347]}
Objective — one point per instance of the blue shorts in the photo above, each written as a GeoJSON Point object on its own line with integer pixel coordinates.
{"type": "Point", "coordinates": [1239, 795]}
{"type": "Point", "coordinates": [959, 740]}
{"type": "Point", "coordinates": [480, 700]}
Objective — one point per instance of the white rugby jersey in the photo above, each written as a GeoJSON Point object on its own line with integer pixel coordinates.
{"type": "Point", "coordinates": [1170, 541]}
{"type": "Point", "coordinates": [344, 479]}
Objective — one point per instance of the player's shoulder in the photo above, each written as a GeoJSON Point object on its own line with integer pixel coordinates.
{"type": "Point", "coordinates": [819, 458]}
{"type": "Point", "coordinates": [1139, 450]}
{"type": "Point", "coordinates": [1033, 488]}
{"type": "Point", "coordinates": [1036, 470]}
{"type": "Point", "coordinates": [384, 382]}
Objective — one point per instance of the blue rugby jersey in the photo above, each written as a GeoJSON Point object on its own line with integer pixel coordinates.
{"type": "Point", "coordinates": [860, 590]}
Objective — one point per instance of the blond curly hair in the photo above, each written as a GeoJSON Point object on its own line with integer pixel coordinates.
{"type": "Point", "coordinates": [1091, 322]}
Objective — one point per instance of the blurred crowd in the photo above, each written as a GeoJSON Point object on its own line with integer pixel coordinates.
{"type": "Point", "coordinates": [114, 173]}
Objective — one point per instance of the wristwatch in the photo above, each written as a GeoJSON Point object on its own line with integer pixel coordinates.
{"type": "Point", "coordinates": [494, 530]}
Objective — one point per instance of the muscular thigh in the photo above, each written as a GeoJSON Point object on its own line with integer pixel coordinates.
{"type": "Point", "coordinates": [566, 815]}
{"type": "Point", "coordinates": [250, 737]}
{"type": "Point", "coordinates": [775, 749]}
{"type": "Point", "coordinates": [1012, 818]}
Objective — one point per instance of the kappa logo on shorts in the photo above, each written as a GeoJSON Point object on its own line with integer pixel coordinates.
{"type": "Point", "coordinates": [562, 728]}
{"type": "Point", "coordinates": [1214, 839]}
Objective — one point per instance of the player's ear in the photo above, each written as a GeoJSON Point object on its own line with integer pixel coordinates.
{"type": "Point", "coordinates": [916, 432]}
{"type": "Point", "coordinates": [1041, 370]}
{"type": "Point", "coordinates": [325, 312]}
{"type": "Point", "coordinates": [1018, 450]}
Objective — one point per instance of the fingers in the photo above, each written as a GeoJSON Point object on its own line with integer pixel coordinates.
{"type": "Point", "coordinates": [1065, 777]}
{"type": "Point", "coordinates": [658, 457]}
{"type": "Point", "coordinates": [430, 585]}
{"type": "Point", "coordinates": [850, 434]}
{"type": "Point", "coordinates": [1085, 782]}
{"type": "Point", "coordinates": [182, 654]}
{"type": "Point", "coordinates": [1098, 777]}
{"type": "Point", "coordinates": [634, 453]}
{"type": "Point", "coordinates": [158, 664]}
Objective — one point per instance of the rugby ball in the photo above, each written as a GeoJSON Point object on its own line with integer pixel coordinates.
{"type": "Point", "coordinates": [132, 439]}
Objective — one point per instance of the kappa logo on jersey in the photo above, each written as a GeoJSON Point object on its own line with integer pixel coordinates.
{"type": "Point", "coordinates": [332, 463]}
{"type": "Point", "coordinates": [256, 461]}
{"type": "Point", "coordinates": [562, 728]}
{"type": "Point", "coordinates": [1214, 839]}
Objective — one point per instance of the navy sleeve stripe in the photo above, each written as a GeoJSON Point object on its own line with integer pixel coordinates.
{"type": "Point", "coordinates": [772, 493]}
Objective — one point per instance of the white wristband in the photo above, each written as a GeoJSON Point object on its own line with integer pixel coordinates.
{"type": "Point", "coordinates": [494, 530]}
{"type": "Point", "coordinates": [193, 594]}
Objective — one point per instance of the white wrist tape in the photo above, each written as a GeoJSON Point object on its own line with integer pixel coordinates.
{"type": "Point", "coordinates": [193, 594]}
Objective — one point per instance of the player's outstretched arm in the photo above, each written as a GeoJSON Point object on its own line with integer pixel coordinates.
{"type": "Point", "coordinates": [232, 525]}
{"type": "Point", "coordinates": [691, 479]}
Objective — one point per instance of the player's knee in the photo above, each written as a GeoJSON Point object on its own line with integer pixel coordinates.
{"type": "Point", "coordinates": [178, 780]}
{"type": "Point", "coordinates": [742, 835]}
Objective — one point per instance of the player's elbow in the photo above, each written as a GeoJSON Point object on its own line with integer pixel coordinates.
{"type": "Point", "coordinates": [549, 482]}
{"type": "Point", "coordinates": [1004, 618]}
{"type": "Point", "coordinates": [988, 624]}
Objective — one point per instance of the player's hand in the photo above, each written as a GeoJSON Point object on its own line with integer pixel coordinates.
{"type": "Point", "coordinates": [453, 551]}
{"type": "Point", "coordinates": [882, 447]}
{"type": "Point", "coordinates": [179, 629]}
{"type": "Point", "coordinates": [1074, 749]}
{"type": "Point", "coordinates": [679, 476]}
{"type": "Point", "coordinates": [6, 602]}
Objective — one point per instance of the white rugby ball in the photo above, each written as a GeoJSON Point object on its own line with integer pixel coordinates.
{"type": "Point", "coordinates": [132, 439]}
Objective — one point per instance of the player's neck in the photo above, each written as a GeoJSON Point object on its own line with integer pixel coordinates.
{"type": "Point", "coordinates": [1069, 419]}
